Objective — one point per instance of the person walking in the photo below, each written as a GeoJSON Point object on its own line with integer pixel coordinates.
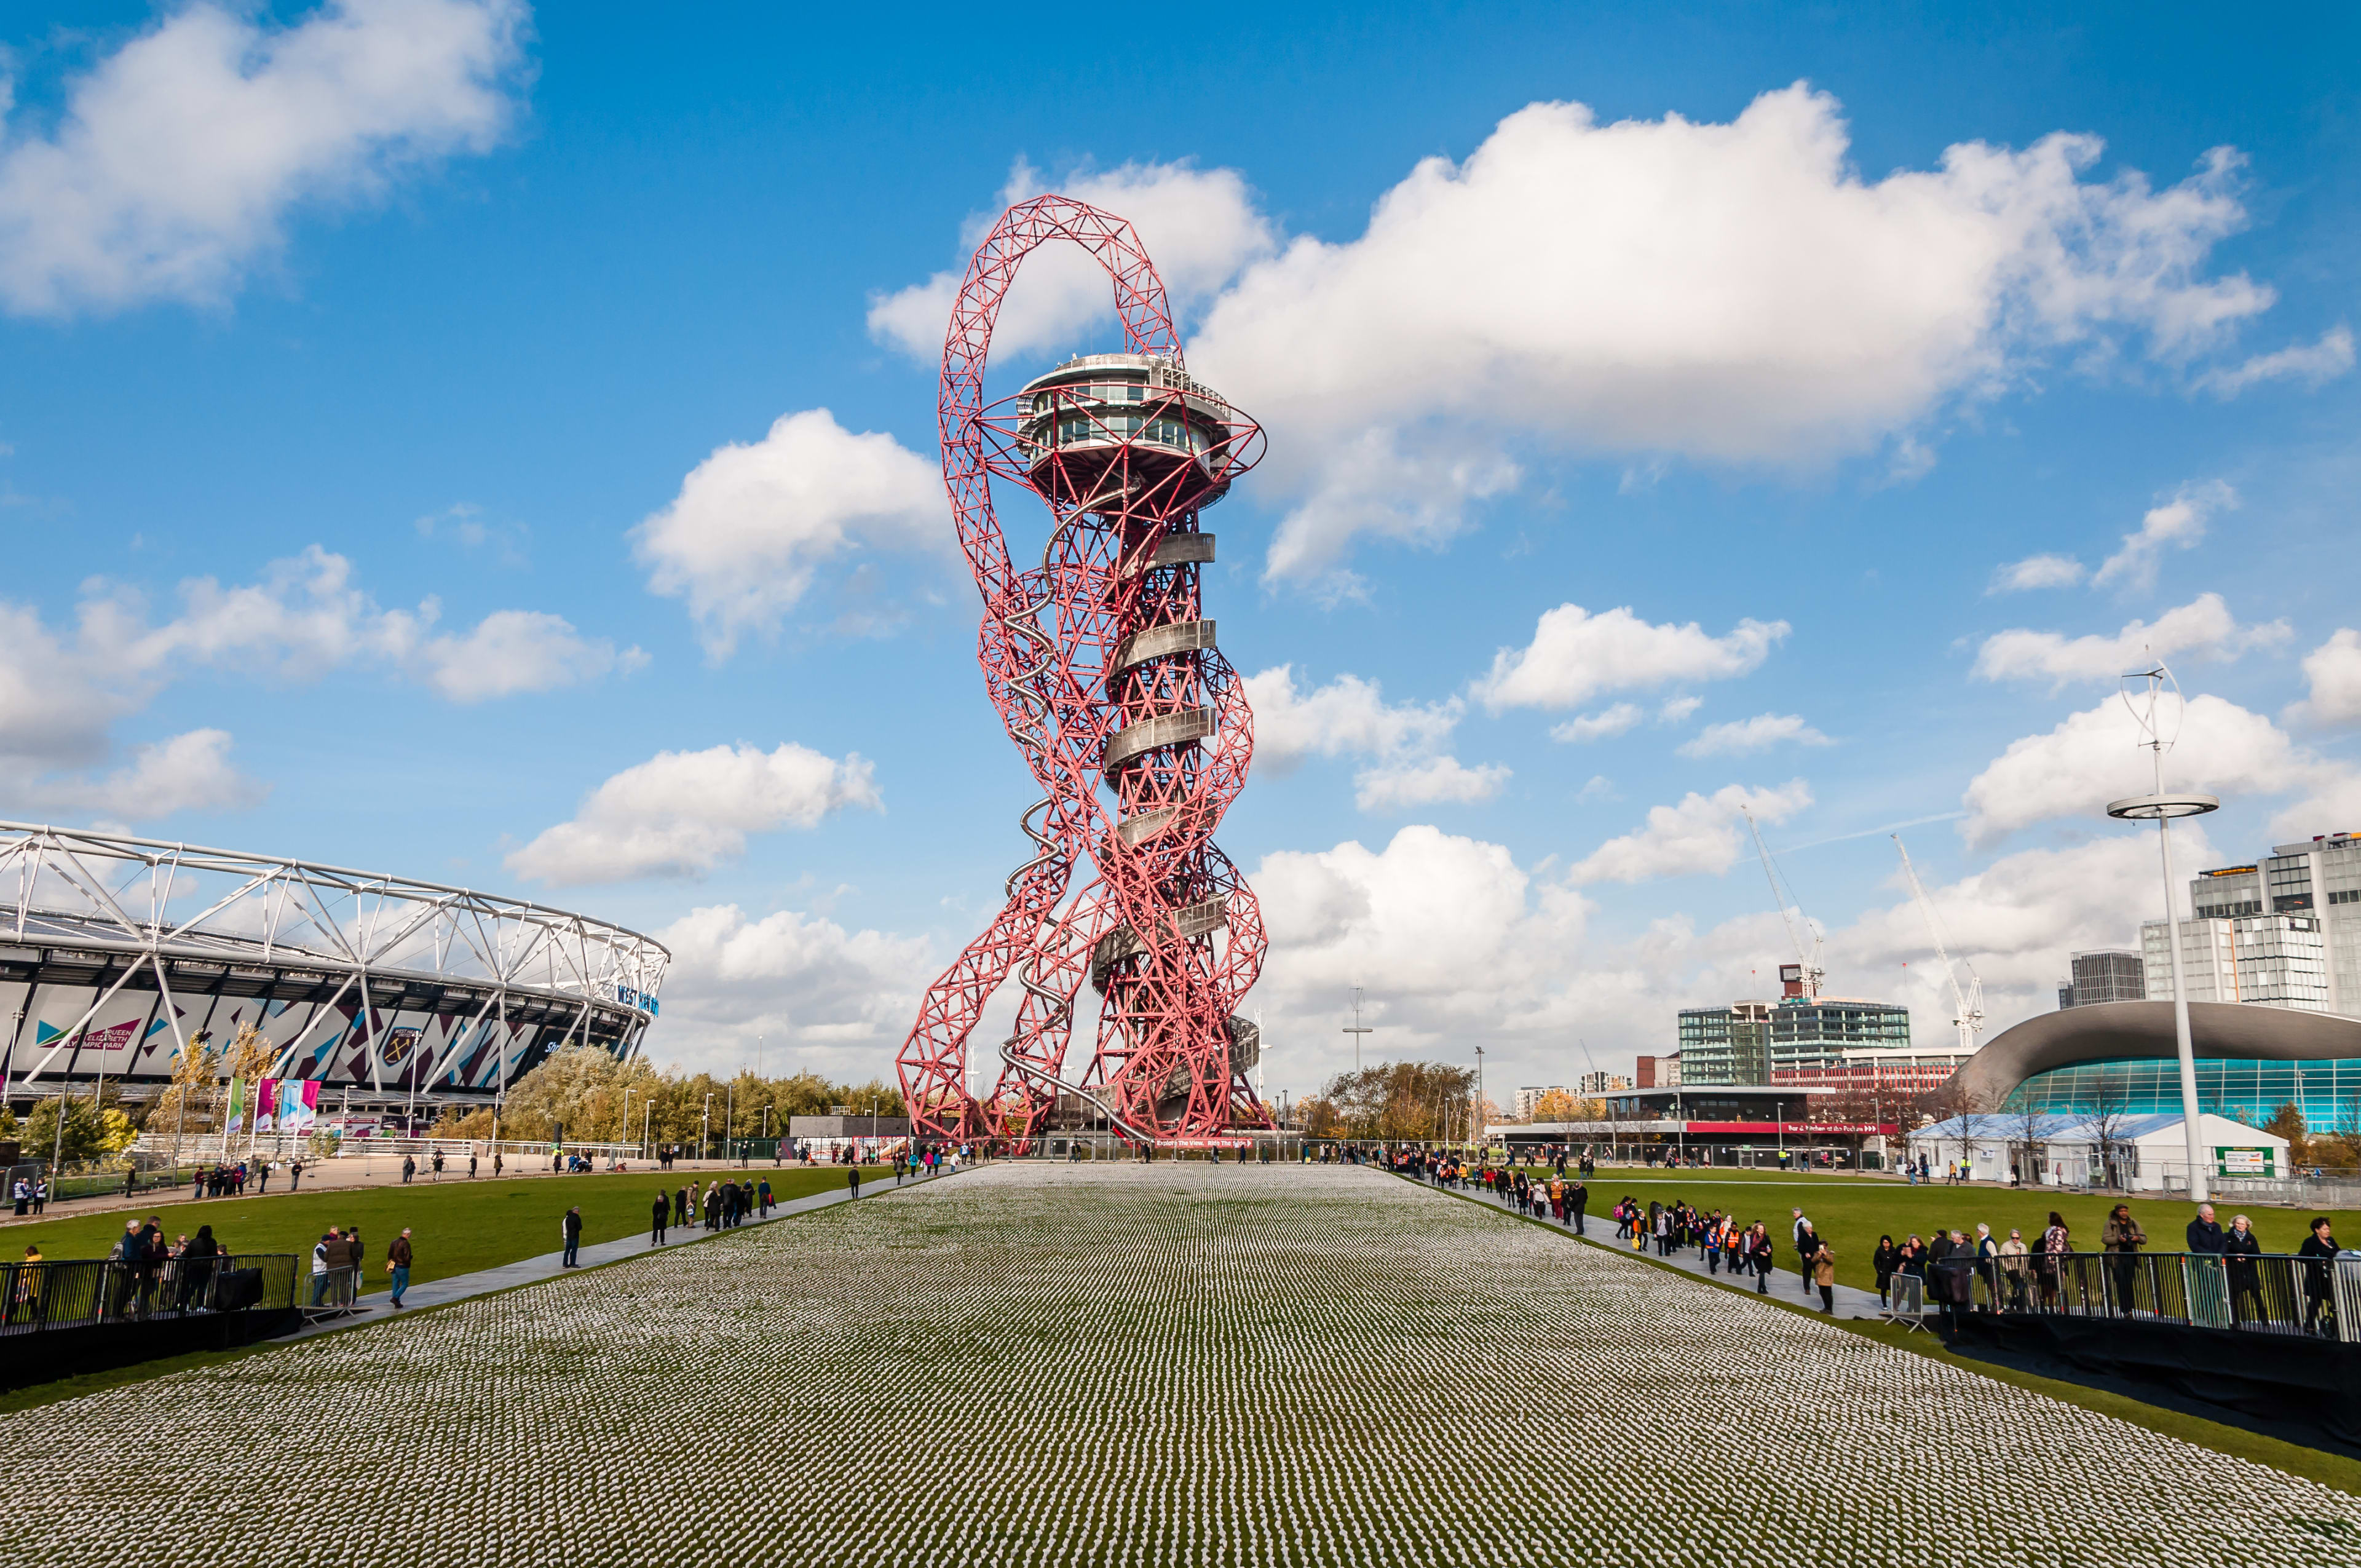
{"type": "Point", "coordinates": [657, 1215]}
{"type": "Point", "coordinates": [196, 1270]}
{"type": "Point", "coordinates": [294, 1175]}
{"type": "Point", "coordinates": [1577, 1199]}
{"type": "Point", "coordinates": [2240, 1247]}
{"type": "Point", "coordinates": [1885, 1262]}
{"type": "Point", "coordinates": [1804, 1234]}
{"type": "Point", "coordinates": [680, 1207]}
{"type": "Point", "coordinates": [397, 1268]}
{"type": "Point", "coordinates": [2204, 1234]}
{"type": "Point", "coordinates": [2120, 1238]}
{"type": "Point", "coordinates": [1824, 1276]}
{"type": "Point", "coordinates": [2319, 1253]}
{"type": "Point", "coordinates": [409, 1169]}
{"type": "Point", "coordinates": [853, 1180]}
{"type": "Point", "coordinates": [1760, 1255]}
{"type": "Point", "coordinates": [762, 1192]}
{"type": "Point", "coordinates": [570, 1228]}
{"type": "Point", "coordinates": [2012, 1253]}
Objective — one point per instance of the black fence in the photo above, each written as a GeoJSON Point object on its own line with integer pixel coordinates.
{"type": "Point", "coordinates": [38, 1297]}
{"type": "Point", "coordinates": [2267, 1294]}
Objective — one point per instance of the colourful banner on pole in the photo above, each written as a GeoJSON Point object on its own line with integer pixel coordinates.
{"type": "Point", "coordinates": [265, 1105]}
{"type": "Point", "coordinates": [237, 1105]}
{"type": "Point", "coordinates": [299, 1103]}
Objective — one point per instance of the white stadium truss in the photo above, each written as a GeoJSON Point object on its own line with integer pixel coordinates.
{"type": "Point", "coordinates": [117, 954]}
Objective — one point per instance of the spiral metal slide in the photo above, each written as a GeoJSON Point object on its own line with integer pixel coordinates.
{"type": "Point", "coordinates": [1106, 674]}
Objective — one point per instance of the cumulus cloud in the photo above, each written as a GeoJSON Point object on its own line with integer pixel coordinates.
{"type": "Point", "coordinates": [681, 813]}
{"type": "Point", "coordinates": [816, 993]}
{"type": "Point", "coordinates": [62, 693]}
{"type": "Point", "coordinates": [1200, 225]}
{"type": "Point", "coordinates": [2334, 673]}
{"type": "Point", "coordinates": [1586, 726]}
{"type": "Point", "coordinates": [515, 651]}
{"type": "Point", "coordinates": [2204, 627]}
{"type": "Point", "coordinates": [2037, 572]}
{"type": "Point", "coordinates": [1349, 717]}
{"type": "Point", "coordinates": [1702, 834]}
{"type": "Point", "coordinates": [1759, 733]}
{"type": "Point", "coordinates": [1575, 655]}
{"type": "Point", "coordinates": [185, 772]}
{"type": "Point", "coordinates": [755, 521]}
{"type": "Point", "coordinates": [1431, 780]}
{"type": "Point", "coordinates": [1457, 943]}
{"type": "Point", "coordinates": [2313, 363]}
{"type": "Point", "coordinates": [2178, 523]}
{"type": "Point", "coordinates": [178, 157]}
{"type": "Point", "coordinates": [1764, 303]}
{"type": "Point", "coordinates": [2096, 756]}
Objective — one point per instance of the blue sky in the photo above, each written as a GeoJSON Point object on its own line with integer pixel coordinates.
{"type": "Point", "coordinates": [411, 425]}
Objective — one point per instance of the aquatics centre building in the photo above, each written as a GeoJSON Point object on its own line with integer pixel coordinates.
{"type": "Point", "coordinates": [2251, 1060]}
{"type": "Point", "coordinates": [119, 953]}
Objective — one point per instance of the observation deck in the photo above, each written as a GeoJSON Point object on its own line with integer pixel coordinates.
{"type": "Point", "coordinates": [1097, 413]}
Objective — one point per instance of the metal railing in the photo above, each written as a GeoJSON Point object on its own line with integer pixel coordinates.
{"type": "Point", "coordinates": [2271, 1293]}
{"type": "Point", "coordinates": [81, 1293]}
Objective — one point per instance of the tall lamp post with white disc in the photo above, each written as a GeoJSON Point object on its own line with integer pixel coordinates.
{"type": "Point", "coordinates": [2162, 808]}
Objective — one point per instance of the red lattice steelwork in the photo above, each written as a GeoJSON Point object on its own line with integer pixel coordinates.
{"type": "Point", "coordinates": [1104, 671]}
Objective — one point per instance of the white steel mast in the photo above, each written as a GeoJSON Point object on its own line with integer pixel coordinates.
{"type": "Point", "coordinates": [1791, 912]}
{"type": "Point", "coordinates": [1967, 1002]}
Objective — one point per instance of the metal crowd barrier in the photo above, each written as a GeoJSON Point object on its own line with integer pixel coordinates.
{"type": "Point", "coordinates": [79, 1293]}
{"type": "Point", "coordinates": [2272, 1293]}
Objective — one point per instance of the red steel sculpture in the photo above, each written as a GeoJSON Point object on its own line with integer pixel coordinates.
{"type": "Point", "coordinates": [1104, 671]}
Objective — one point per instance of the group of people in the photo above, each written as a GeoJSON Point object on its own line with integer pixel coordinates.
{"type": "Point", "coordinates": [434, 1166]}
{"type": "Point", "coordinates": [31, 1193]}
{"type": "Point", "coordinates": [724, 1205]}
{"type": "Point", "coordinates": [1725, 1242]}
{"type": "Point", "coordinates": [1987, 1273]}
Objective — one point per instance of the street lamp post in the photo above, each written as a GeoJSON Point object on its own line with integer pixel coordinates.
{"type": "Point", "coordinates": [705, 1129]}
{"type": "Point", "coordinates": [1357, 1031]}
{"type": "Point", "coordinates": [627, 1117]}
{"type": "Point", "coordinates": [2161, 808]}
{"type": "Point", "coordinates": [647, 1124]}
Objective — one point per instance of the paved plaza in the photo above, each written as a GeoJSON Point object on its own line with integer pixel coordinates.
{"type": "Point", "coordinates": [1118, 1365]}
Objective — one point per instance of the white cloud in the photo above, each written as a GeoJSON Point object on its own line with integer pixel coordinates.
{"type": "Point", "coordinates": [2037, 572]}
{"type": "Point", "coordinates": [1446, 930]}
{"type": "Point", "coordinates": [2313, 363]}
{"type": "Point", "coordinates": [2204, 627]}
{"type": "Point", "coordinates": [1768, 305]}
{"type": "Point", "coordinates": [1702, 834]}
{"type": "Point", "coordinates": [753, 523]}
{"type": "Point", "coordinates": [61, 694]}
{"type": "Point", "coordinates": [1756, 734]}
{"type": "Point", "coordinates": [681, 813]}
{"type": "Point", "coordinates": [2178, 523]}
{"type": "Point", "coordinates": [1600, 787]}
{"type": "Point", "coordinates": [1200, 227]}
{"type": "Point", "coordinates": [815, 994]}
{"type": "Point", "coordinates": [2096, 756]}
{"type": "Point", "coordinates": [1584, 728]}
{"type": "Point", "coordinates": [1575, 655]}
{"type": "Point", "coordinates": [186, 773]}
{"type": "Point", "coordinates": [1393, 786]}
{"type": "Point", "coordinates": [1676, 710]}
{"type": "Point", "coordinates": [1349, 716]}
{"type": "Point", "coordinates": [177, 159]}
{"type": "Point", "coordinates": [2334, 670]}
{"type": "Point", "coordinates": [515, 651]}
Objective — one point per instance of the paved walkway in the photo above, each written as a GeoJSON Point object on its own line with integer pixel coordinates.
{"type": "Point", "coordinates": [1850, 1301]}
{"type": "Point", "coordinates": [348, 1172]}
{"type": "Point", "coordinates": [378, 1306]}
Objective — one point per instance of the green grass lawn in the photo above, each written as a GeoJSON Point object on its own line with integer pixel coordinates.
{"type": "Point", "coordinates": [457, 1226]}
{"type": "Point", "coordinates": [1852, 1211]}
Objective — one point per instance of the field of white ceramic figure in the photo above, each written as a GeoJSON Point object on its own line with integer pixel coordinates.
{"type": "Point", "coordinates": [1118, 1365]}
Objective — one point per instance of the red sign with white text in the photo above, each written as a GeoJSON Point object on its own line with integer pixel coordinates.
{"type": "Point", "coordinates": [1796, 1129]}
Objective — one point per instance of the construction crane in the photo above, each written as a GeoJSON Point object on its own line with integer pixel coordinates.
{"type": "Point", "coordinates": [1967, 1002]}
{"type": "Point", "coordinates": [1808, 972]}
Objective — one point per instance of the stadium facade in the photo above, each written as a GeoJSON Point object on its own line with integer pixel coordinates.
{"type": "Point", "coordinates": [117, 954]}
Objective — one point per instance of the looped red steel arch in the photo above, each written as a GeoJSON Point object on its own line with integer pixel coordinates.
{"type": "Point", "coordinates": [1163, 927]}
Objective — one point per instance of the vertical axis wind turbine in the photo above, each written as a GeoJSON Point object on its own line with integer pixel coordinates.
{"type": "Point", "coordinates": [1967, 1002]}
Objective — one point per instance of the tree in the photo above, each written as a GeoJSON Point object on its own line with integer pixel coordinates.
{"type": "Point", "coordinates": [1557, 1106]}
{"type": "Point", "coordinates": [187, 1103]}
{"type": "Point", "coordinates": [2287, 1122]}
{"type": "Point", "coordinates": [2105, 1112]}
{"type": "Point", "coordinates": [92, 1132]}
{"type": "Point", "coordinates": [1401, 1102]}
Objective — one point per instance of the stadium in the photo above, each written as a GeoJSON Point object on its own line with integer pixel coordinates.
{"type": "Point", "coordinates": [119, 953]}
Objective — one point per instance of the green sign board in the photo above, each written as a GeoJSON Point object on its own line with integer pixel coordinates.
{"type": "Point", "coordinates": [2263, 1162]}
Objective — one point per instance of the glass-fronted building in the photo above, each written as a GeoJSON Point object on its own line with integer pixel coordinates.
{"type": "Point", "coordinates": [2327, 1092]}
{"type": "Point", "coordinates": [2110, 974]}
{"type": "Point", "coordinates": [1793, 1038]}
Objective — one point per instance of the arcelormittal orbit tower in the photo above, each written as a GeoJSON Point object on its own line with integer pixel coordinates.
{"type": "Point", "coordinates": [1103, 667]}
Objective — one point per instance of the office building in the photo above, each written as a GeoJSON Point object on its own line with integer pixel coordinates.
{"type": "Point", "coordinates": [2110, 974]}
{"type": "Point", "coordinates": [2270, 961]}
